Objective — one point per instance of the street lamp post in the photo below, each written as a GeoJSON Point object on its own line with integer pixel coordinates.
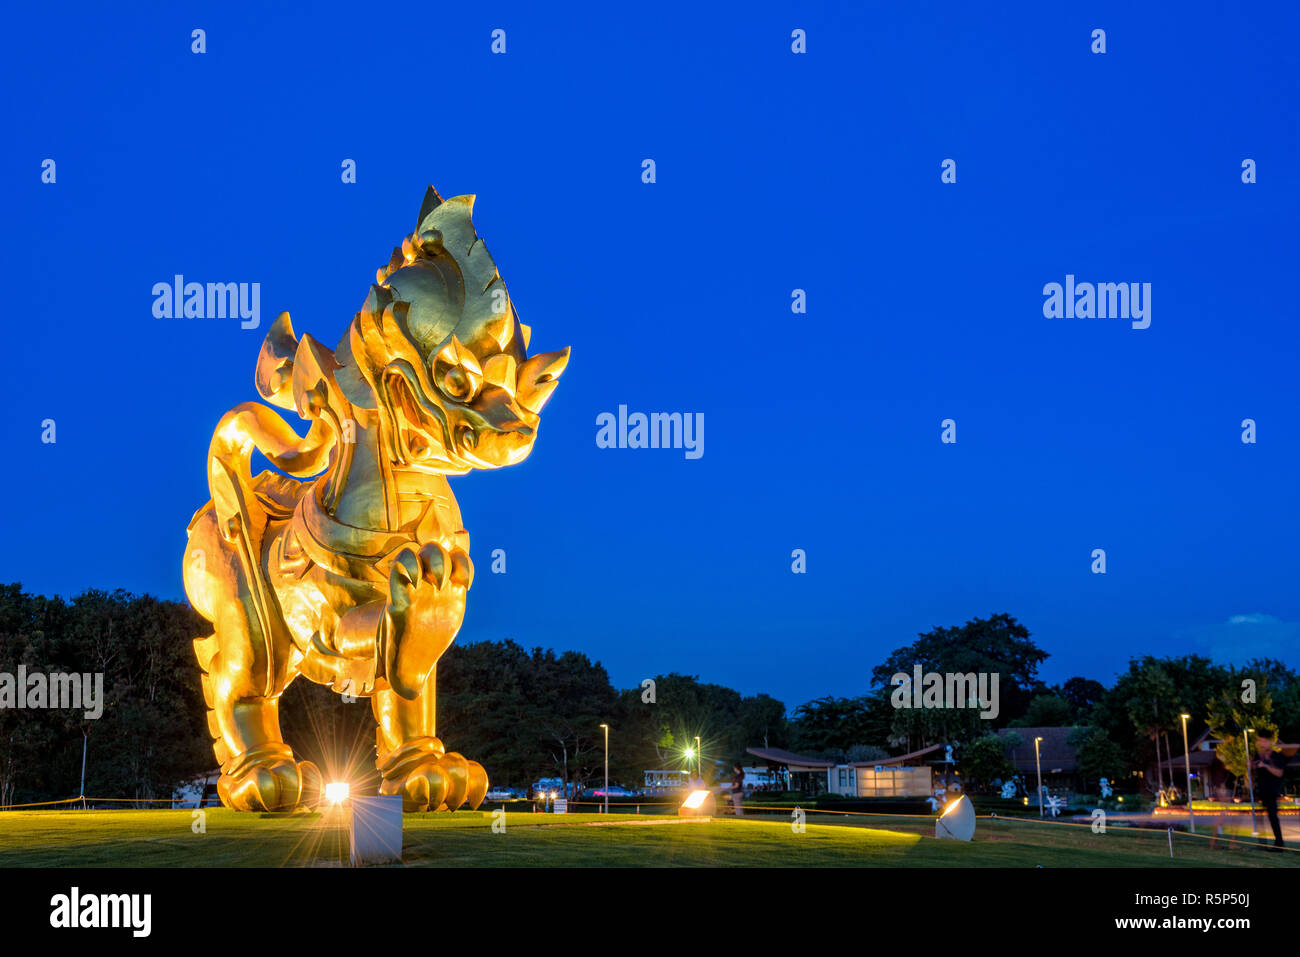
{"type": "Point", "coordinates": [1038, 765]}
{"type": "Point", "coordinates": [85, 746]}
{"type": "Point", "coordinates": [699, 759]}
{"type": "Point", "coordinates": [606, 727]}
{"type": "Point", "coordinates": [1245, 740]}
{"type": "Point", "coordinates": [1187, 759]}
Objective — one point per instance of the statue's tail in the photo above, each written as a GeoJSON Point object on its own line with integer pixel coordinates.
{"type": "Point", "coordinates": [205, 649]}
{"type": "Point", "coordinates": [245, 506]}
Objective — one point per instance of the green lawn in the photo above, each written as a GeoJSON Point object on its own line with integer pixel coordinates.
{"type": "Point", "coordinates": [130, 838]}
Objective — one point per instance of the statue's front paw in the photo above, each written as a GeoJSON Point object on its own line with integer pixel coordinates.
{"type": "Point", "coordinates": [430, 779]}
{"type": "Point", "coordinates": [269, 779]}
{"type": "Point", "coordinates": [425, 608]}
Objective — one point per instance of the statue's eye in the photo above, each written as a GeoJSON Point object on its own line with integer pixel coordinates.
{"type": "Point", "coordinates": [458, 384]}
{"type": "Point", "coordinates": [456, 372]}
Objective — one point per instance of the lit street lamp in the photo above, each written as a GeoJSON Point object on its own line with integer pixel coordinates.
{"type": "Point", "coordinates": [606, 727]}
{"type": "Point", "coordinates": [1187, 758]}
{"type": "Point", "coordinates": [1038, 765]}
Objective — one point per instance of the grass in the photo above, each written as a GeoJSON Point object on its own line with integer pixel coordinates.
{"type": "Point", "coordinates": [131, 838]}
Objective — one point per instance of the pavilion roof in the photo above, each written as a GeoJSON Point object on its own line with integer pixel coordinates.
{"type": "Point", "coordinates": [900, 758]}
{"type": "Point", "coordinates": [795, 762]}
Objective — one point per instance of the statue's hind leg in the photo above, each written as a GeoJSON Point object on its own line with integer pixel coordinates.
{"type": "Point", "coordinates": [258, 770]}
{"type": "Point", "coordinates": [413, 761]}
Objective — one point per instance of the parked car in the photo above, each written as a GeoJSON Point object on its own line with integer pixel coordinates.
{"type": "Point", "coordinates": [614, 791]}
{"type": "Point", "coordinates": [549, 786]}
{"type": "Point", "coordinates": [503, 794]}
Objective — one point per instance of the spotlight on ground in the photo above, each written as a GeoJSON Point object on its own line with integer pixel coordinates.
{"type": "Point", "coordinates": [957, 821]}
{"type": "Point", "coordinates": [336, 792]}
{"type": "Point", "coordinates": [700, 803]}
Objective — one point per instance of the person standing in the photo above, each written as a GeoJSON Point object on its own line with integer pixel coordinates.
{"type": "Point", "coordinates": [737, 789]}
{"type": "Point", "coordinates": [1270, 765]}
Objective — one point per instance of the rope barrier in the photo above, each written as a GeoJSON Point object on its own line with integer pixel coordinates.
{"type": "Point", "coordinates": [132, 800]}
{"type": "Point", "coordinates": [90, 800]}
{"type": "Point", "coordinates": [617, 808]}
{"type": "Point", "coordinates": [822, 810]}
{"type": "Point", "coordinates": [6, 807]}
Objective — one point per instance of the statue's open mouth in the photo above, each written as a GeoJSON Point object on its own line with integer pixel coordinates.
{"type": "Point", "coordinates": [417, 422]}
{"type": "Point", "coordinates": [428, 436]}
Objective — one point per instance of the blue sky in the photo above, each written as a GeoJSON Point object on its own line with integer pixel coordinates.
{"type": "Point", "coordinates": [775, 171]}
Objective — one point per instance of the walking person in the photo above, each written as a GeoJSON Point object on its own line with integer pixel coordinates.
{"type": "Point", "coordinates": [737, 789]}
{"type": "Point", "coordinates": [1270, 765]}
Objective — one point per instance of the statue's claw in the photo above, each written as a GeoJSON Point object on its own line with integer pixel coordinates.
{"type": "Point", "coordinates": [476, 789]}
{"type": "Point", "coordinates": [429, 779]}
{"type": "Point", "coordinates": [270, 781]}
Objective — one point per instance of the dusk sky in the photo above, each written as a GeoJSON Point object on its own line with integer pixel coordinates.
{"type": "Point", "coordinates": [775, 171]}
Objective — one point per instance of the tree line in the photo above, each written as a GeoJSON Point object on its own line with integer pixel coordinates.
{"type": "Point", "coordinates": [531, 713]}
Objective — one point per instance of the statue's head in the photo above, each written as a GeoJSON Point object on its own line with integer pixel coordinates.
{"type": "Point", "coordinates": [438, 352]}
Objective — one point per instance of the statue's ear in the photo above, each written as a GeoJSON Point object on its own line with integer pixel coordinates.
{"type": "Point", "coordinates": [274, 374]}
{"type": "Point", "coordinates": [314, 386]}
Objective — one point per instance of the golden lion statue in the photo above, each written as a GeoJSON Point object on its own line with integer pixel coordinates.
{"type": "Point", "coordinates": [354, 571]}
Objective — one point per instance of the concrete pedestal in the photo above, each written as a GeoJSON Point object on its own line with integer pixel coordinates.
{"type": "Point", "coordinates": [375, 830]}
